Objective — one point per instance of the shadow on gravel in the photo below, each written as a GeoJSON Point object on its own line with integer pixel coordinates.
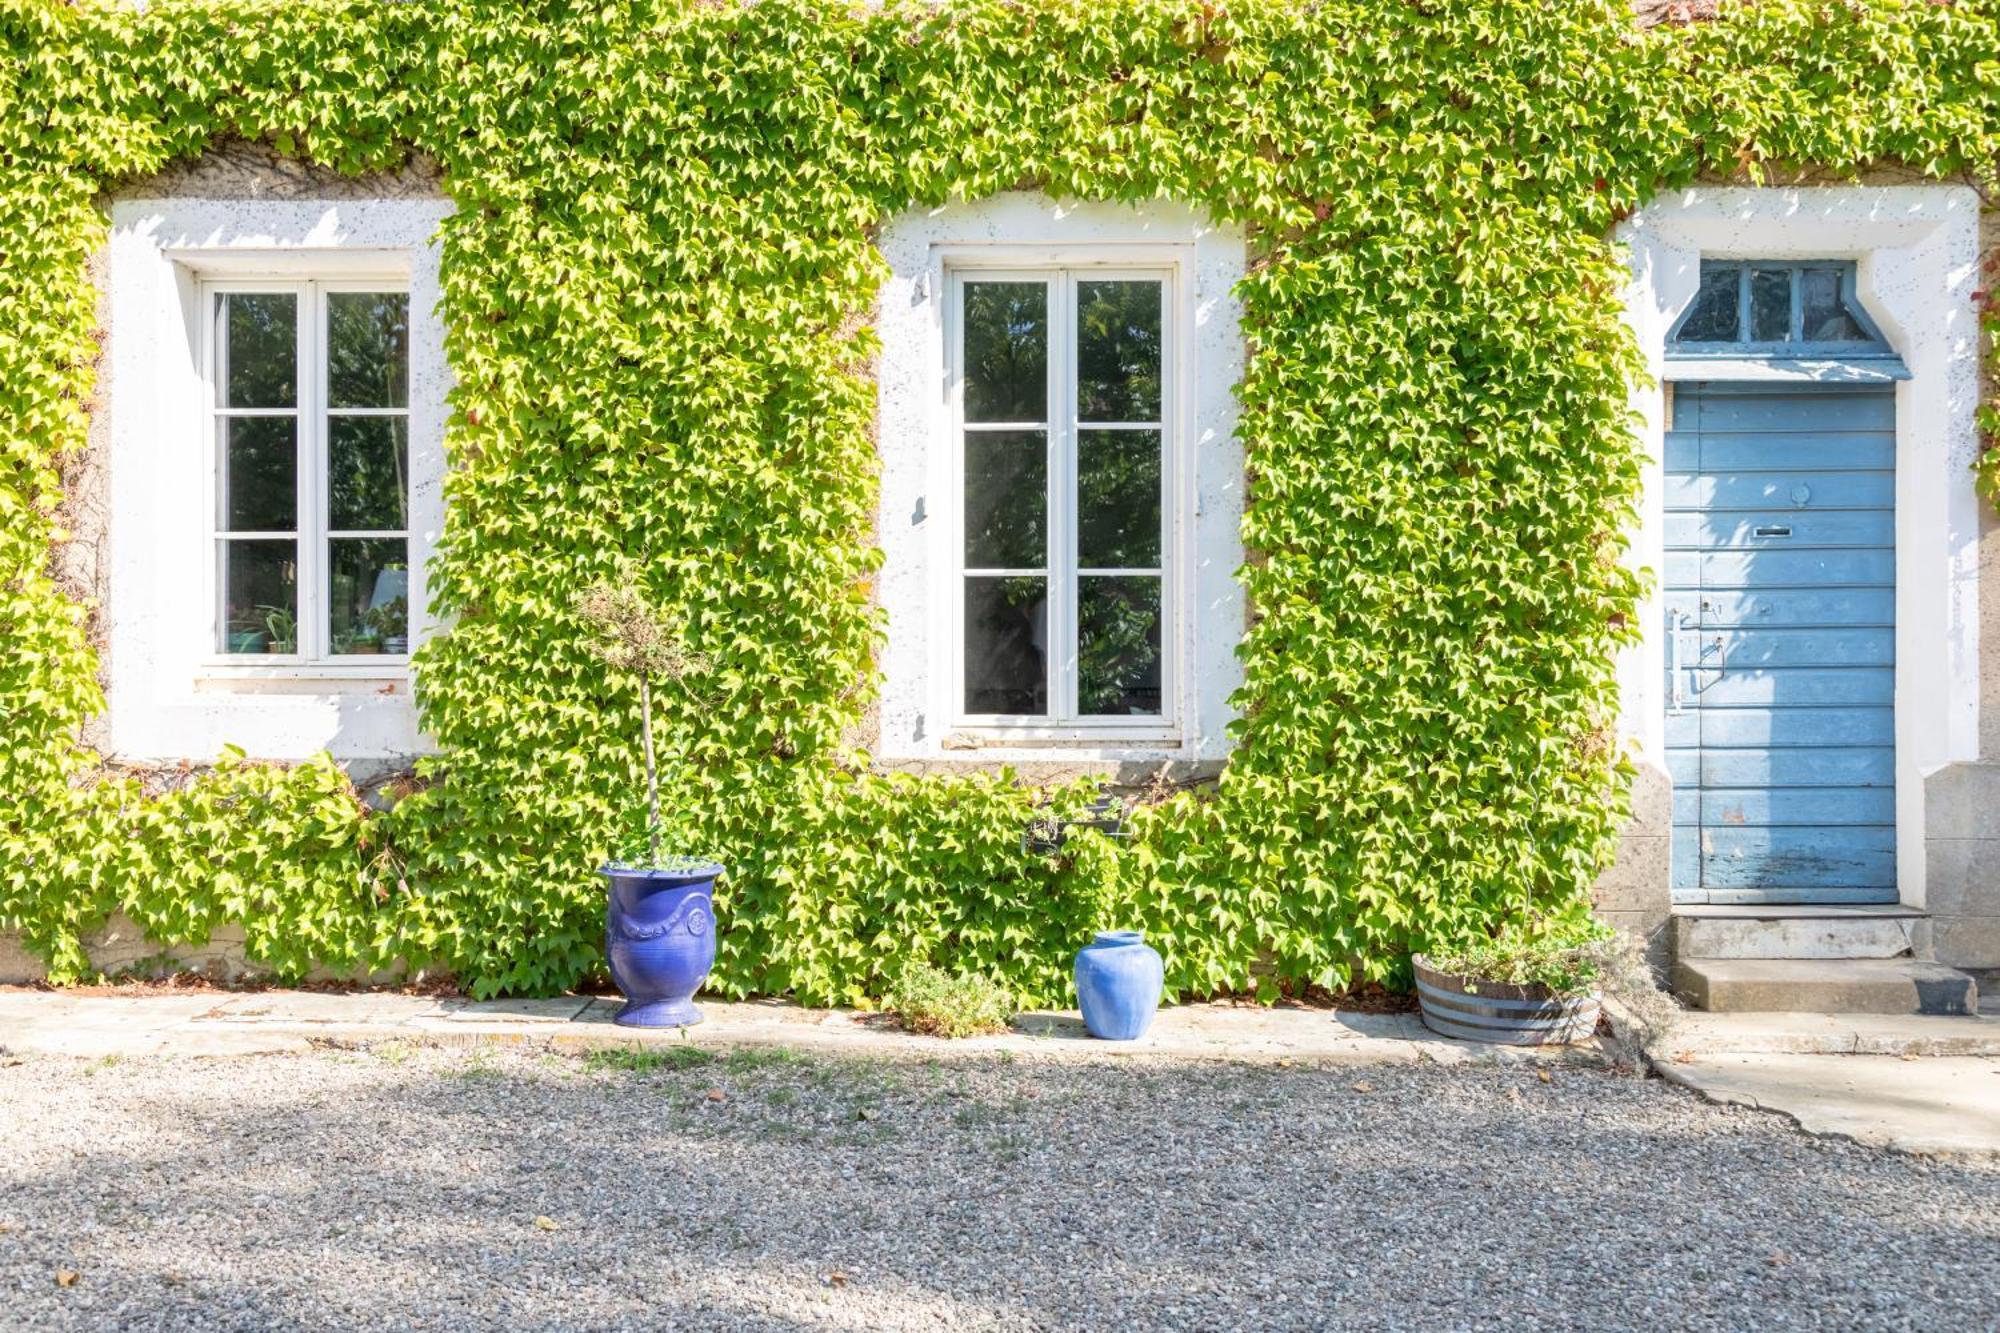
{"type": "Point", "coordinates": [397, 1189]}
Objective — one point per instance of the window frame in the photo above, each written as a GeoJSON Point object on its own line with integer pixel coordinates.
{"type": "Point", "coordinates": [1062, 269]}
{"type": "Point", "coordinates": [1875, 347]}
{"type": "Point", "coordinates": [312, 499]}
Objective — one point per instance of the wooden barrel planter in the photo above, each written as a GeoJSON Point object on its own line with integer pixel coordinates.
{"type": "Point", "coordinates": [1475, 1010]}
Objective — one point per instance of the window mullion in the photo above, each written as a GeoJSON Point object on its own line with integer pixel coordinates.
{"type": "Point", "coordinates": [1062, 486]}
{"type": "Point", "coordinates": [1170, 333]}
{"type": "Point", "coordinates": [215, 551]}
{"type": "Point", "coordinates": [312, 470]}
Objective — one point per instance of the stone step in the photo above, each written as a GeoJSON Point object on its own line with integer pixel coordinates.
{"type": "Point", "coordinates": [1810, 932]}
{"type": "Point", "coordinates": [1825, 986]}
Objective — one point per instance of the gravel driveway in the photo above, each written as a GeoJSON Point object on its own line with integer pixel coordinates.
{"type": "Point", "coordinates": [401, 1188]}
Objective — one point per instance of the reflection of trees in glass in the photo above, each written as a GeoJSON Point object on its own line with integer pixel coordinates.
{"type": "Point", "coordinates": [260, 460]}
{"type": "Point", "coordinates": [1118, 499]}
{"type": "Point", "coordinates": [1006, 351]}
{"type": "Point", "coordinates": [367, 365]}
{"type": "Point", "coordinates": [1006, 499]}
{"type": "Point", "coordinates": [1714, 316]}
{"type": "Point", "coordinates": [1770, 305]}
{"type": "Point", "coordinates": [1118, 645]}
{"type": "Point", "coordinates": [1118, 351]}
{"type": "Point", "coordinates": [260, 350]}
{"type": "Point", "coordinates": [1823, 313]}
{"type": "Point", "coordinates": [367, 465]}
{"type": "Point", "coordinates": [1006, 638]}
{"type": "Point", "coordinates": [367, 349]}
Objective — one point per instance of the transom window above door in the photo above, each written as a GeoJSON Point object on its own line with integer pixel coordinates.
{"type": "Point", "coordinates": [1063, 427]}
{"type": "Point", "coordinates": [1777, 307]}
{"type": "Point", "coordinates": [309, 418]}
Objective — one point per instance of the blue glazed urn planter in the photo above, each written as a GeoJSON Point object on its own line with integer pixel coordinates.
{"type": "Point", "coordinates": [659, 935]}
{"type": "Point", "coordinates": [1118, 982]}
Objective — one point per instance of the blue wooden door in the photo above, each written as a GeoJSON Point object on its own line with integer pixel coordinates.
{"type": "Point", "coordinates": [1780, 591]}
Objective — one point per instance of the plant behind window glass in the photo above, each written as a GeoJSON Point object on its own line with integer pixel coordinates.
{"type": "Point", "coordinates": [633, 638]}
{"type": "Point", "coordinates": [282, 626]}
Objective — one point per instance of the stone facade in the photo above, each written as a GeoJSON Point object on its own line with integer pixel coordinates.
{"type": "Point", "coordinates": [119, 948]}
{"type": "Point", "coordinates": [1962, 853]}
{"type": "Point", "coordinates": [1636, 893]}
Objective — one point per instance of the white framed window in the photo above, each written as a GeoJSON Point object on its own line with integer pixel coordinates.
{"type": "Point", "coordinates": [308, 408]}
{"type": "Point", "coordinates": [274, 411]}
{"type": "Point", "coordinates": [1031, 512]}
{"type": "Point", "coordinates": [1063, 439]}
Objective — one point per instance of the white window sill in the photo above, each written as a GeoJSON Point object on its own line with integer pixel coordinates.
{"type": "Point", "coordinates": [374, 671]}
{"type": "Point", "coordinates": [973, 737]}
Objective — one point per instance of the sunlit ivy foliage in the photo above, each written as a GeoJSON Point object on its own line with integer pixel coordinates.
{"type": "Point", "coordinates": [658, 283]}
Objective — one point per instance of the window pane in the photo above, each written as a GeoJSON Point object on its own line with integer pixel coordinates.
{"type": "Point", "coordinates": [1118, 351]}
{"type": "Point", "coordinates": [257, 358]}
{"type": "Point", "coordinates": [368, 465]}
{"type": "Point", "coordinates": [1118, 646]}
{"type": "Point", "coordinates": [1118, 499]}
{"type": "Point", "coordinates": [367, 349]}
{"type": "Point", "coordinates": [1770, 305]}
{"type": "Point", "coordinates": [1006, 645]}
{"type": "Point", "coordinates": [368, 590]}
{"type": "Point", "coordinates": [260, 596]}
{"type": "Point", "coordinates": [1712, 319]}
{"type": "Point", "coordinates": [1006, 499]}
{"type": "Point", "coordinates": [1006, 351]}
{"type": "Point", "coordinates": [260, 478]}
{"type": "Point", "coordinates": [1825, 315]}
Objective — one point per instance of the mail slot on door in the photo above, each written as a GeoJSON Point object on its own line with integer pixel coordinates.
{"type": "Point", "coordinates": [1774, 531]}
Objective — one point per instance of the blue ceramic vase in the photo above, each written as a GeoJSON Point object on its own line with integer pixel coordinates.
{"type": "Point", "coordinates": [659, 935]}
{"type": "Point", "coordinates": [1118, 980]}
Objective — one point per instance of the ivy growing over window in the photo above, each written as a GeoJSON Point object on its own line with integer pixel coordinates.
{"type": "Point", "coordinates": [657, 285]}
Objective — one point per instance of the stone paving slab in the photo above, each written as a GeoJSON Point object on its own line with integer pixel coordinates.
{"type": "Point", "coordinates": [561, 1009]}
{"type": "Point", "coordinates": [1937, 1090]}
{"type": "Point", "coordinates": [1833, 1034]}
{"type": "Point", "coordinates": [224, 1023]}
{"type": "Point", "coordinates": [1188, 1032]}
{"type": "Point", "coordinates": [1942, 1106]}
{"type": "Point", "coordinates": [364, 1008]}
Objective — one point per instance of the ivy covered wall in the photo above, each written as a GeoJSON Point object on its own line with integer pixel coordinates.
{"type": "Point", "coordinates": [658, 283]}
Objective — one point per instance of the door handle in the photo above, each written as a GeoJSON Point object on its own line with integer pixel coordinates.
{"type": "Point", "coordinates": [1676, 688]}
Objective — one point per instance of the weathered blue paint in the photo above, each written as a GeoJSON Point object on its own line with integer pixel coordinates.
{"type": "Point", "coordinates": [1824, 370]}
{"type": "Point", "coordinates": [1780, 565]}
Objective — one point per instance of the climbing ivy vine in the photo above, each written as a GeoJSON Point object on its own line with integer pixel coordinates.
{"type": "Point", "coordinates": [657, 285]}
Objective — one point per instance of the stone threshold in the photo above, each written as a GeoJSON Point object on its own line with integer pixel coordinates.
{"type": "Point", "coordinates": [1910, 1035]}
{"type": "Point", "coordinates": [1797, 911]}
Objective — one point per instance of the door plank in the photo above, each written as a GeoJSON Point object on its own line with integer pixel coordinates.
{"type": "Point", "coordinates": [1780, 535]}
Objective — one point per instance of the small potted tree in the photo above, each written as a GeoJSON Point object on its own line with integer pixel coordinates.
{"type": "Point", "coordinates": [659, 933]}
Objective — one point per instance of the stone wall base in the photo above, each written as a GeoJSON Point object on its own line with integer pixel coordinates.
{"type": "Point", "coordinates": [121, 949]}
{"type": "Point", "coordinates": [1636, 894]}
{"type": "Point", "coordinates": [1962, 860]}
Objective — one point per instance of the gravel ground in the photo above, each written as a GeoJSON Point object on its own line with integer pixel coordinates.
{"type": "Point", "coordinates": [401, 1188]}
